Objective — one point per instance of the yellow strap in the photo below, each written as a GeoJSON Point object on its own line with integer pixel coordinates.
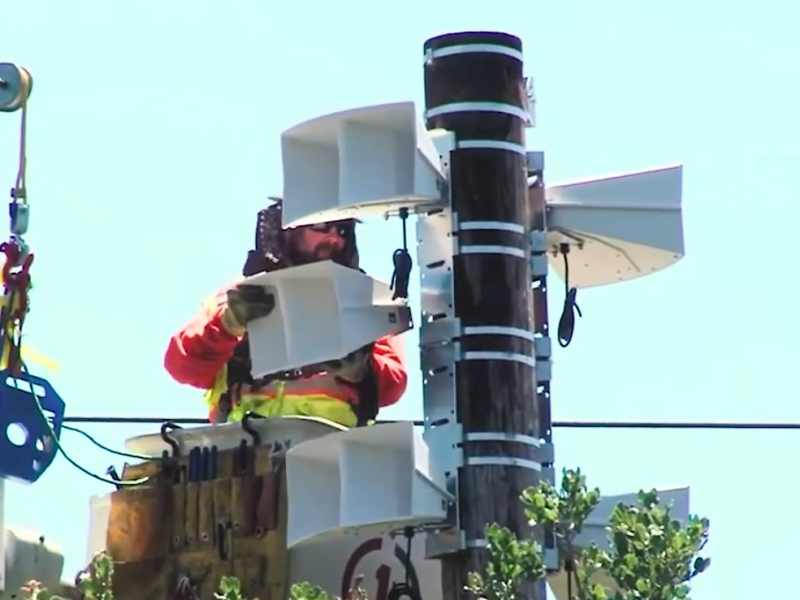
{"type": "Point", "coordinates": [214, 395]}
{"type": "Point", "coordinates": [28, 354]}
{"type": "Point", "coordinates": [31, 355]}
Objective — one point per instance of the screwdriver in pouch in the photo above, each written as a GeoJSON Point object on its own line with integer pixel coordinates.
{"type": "Point", "coordinates": [194, 465]}
{"type": "Point", "coordinates": [204, 464]}
{"type": "Point", "coordinates": [213, 467]}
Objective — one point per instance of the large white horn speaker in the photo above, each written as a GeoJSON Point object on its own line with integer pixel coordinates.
{"type": "Point", "coordinates": [323, 312]}
{"type": "Point", "coordinates": [359, 162]}
{"type": "Point", "coordinates": [29, 556]}
{"type": "Point", "coordinates": [595, 532]}
{"type": "Point", "coordinates": [618, 227]}
{"type": "Point", "coordinates": [99, 517]}
{"type": "Point", "coordinates": [376, 480]}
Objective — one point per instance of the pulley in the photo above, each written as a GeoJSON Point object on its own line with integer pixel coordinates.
{"type": "Point", "coordinates": [16, 85]}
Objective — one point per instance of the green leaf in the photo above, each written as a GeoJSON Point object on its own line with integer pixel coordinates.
{"type": "Point", "coordinates": [306, 591]}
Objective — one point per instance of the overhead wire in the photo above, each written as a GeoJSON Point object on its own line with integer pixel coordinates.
{"type": "Point", "coordinates": [650, 425]}
{"type": "Point", "coordinates": [646, 425]}
{"type": "Point", "coordinates": [111, 420]}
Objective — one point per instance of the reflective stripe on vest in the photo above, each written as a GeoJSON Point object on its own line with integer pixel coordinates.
{"type": "Point", "coordinates": [291, 405]}
{"type": "Point", "coordinates": [317, 385]}
{"type": "Point", "coordinates": [318, 396]}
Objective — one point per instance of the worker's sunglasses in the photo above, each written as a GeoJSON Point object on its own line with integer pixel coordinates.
{"type": "Point", "coordinates": [328, 228]}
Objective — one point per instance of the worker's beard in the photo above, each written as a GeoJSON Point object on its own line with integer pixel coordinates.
{"type": "Point", "coordinates": [325, 250]}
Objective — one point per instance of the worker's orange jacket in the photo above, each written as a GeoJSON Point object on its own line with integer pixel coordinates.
{"type": "Point", "coordinates": [198, 355]}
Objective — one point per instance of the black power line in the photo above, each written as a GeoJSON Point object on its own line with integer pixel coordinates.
{"type": "Point", "coordinates": [560, 424]}
{"type": "Point", "coordinates": [670, 425]}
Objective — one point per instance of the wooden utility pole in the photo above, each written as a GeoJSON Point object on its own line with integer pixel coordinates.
{"type": "Point", "coordinates": [474, 87]}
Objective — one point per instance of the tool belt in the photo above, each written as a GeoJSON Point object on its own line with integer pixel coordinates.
{"type": "Point", "coordinates": [178, 535]}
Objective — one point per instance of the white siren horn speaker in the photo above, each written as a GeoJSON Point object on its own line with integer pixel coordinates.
{"type": "Point", "coordinates": [618, 227]}
{"type": "Point", "coordinates": [323, 311]}
{"type": "Point", "coordinates": [376, 479]}
{"type": "Point", "coordinates": [360, 162]}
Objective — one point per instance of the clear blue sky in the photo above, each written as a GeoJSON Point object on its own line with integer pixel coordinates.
{"type": "Point", "coordinates": [154, 137]}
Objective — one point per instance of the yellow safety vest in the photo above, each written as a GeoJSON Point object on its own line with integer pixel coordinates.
{"type": "Point", "coordinates": [320, 396]}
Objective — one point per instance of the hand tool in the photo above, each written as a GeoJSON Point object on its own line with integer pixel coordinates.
{"type": "Point", "coordinates": [204, 464]}
{"type": "Point", "coordinates": [195, 457]}
{"type": "Point", "coordinates": [213, 467]}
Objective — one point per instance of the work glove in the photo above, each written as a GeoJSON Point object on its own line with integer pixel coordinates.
{"type": "Point", "coordinates": [352, 367]}
{"type": "Point", "coordinates": [245, 304]}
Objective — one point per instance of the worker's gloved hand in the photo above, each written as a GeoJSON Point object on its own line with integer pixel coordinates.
{"type": "Point", "coordinates": [245, 304]}
{"type": "Point", "coordinates": [352, 367]}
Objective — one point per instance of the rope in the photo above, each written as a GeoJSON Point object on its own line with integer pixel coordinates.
{"type": "Point", "coordinates": [19, 188]}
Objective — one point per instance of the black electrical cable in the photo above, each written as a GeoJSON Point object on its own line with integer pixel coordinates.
{"type": "Point", "coordinates": [405, 589]}
{"type": "Point", "coordinates": [106, 448]}
{"type": "Point", "coordinates": [402, 263]}
{"type": "Point", "coordinates": [566, 323]}
{"type": "Point", "coordinates": [569, 567]}
{"type": "Point", "coordinates": [138, 420]}
{"type": "Point", "coordinates": [60, 447]}
{"type": "Point", "coordinates": [400, 590]}
{"type": "Point", "coordinates": [674, 425]}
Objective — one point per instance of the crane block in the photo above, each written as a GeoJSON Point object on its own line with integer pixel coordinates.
{"type": "Point", "coordinates": [31, 415]}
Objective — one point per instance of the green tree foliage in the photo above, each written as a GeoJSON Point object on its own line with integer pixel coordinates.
{"type": "Point", "coordinates": [652, 556]}
{"type": "Point", "coordinates": [94, 583]}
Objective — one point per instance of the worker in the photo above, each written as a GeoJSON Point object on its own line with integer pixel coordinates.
{"type": "Point", "coordinates": [212, 351]}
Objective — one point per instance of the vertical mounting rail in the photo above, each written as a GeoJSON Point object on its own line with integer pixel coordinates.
{"type": "Point", "coordinates": [542, 341]}
{"type": "Point", "coordinates": [478, 351]}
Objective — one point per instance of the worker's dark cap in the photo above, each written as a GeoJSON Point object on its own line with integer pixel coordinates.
{"type": "Point", "coordinates": [277, 208]}
{"type": "Point", "coordinates": [269, 249]}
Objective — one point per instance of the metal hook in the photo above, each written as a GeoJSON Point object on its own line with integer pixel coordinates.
{"type": "Point", "coordinates": [173, 443]}
{"type": "Point", "coordinates": [278, 454]}
{"type": "Point", "coordinates": [248, 427]}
